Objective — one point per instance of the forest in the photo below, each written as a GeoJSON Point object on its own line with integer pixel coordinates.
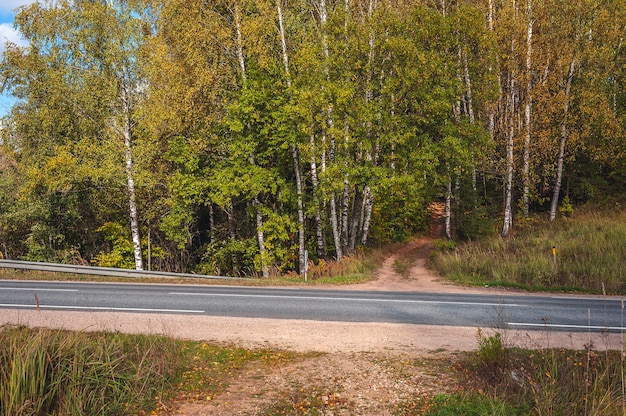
{"type": "Point", "coordinates": [243, 137]}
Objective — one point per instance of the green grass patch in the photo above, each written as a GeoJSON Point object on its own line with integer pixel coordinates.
{"type": "Point", "coordinates": [471, 405]}
{"type": "Point", "coordinates": [589, 256]}
{"type": "Point", "coordinates": [55, 372]}
{"type": "Point", "coordinates": [402, 267]}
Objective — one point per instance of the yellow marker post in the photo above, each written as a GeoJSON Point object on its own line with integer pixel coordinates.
{"type": "Point", "coordinates": [554, 255]}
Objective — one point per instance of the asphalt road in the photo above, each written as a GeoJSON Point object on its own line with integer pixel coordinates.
{"type": "Point", "coordinates": [545, 312]}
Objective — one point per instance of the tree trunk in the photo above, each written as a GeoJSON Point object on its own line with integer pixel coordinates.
{"type": "Point", "coordinates": [329, 117]}
{"type": "Point", "coordinates": [508, 196]}
{"type": "Point", "coordinates": [510, 161]}
{"type": "Point", "coordinates": [357, 205]}
{"type": "Point", "coordinates": [559, 168]}
{"type": "Point", "coordinates": [527, 113]}
{"type": "Point", "coordinates": [261, 238]}
{"type": "Point", "coordinates": [448, 210]}
{"type": "Point", "coordinates": [283, 42]}
{"type": "Point", "coordinates": [335, 227]}
{"type": "Point", "coordinates": [368, 200]}
{"type": "Point", "coordinates": [130, 181]}
{"type": "Point", "coordinates": [232, 231]}
{"type": "Point", "coordinates": [319, 227]}
{"type": "Point", "coordinates": [345, 207]}
{"type": "Point", "coordinates": [296, 162]}
{"type": "Point", "coordinates": [301, 245]}
{"type": "Point", "coordinates": [240, 55]}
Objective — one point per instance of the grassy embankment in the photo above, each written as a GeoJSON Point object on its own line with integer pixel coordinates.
{"type": "Point", "coordinates": [54, 372]}
{"type": "Point", "coordinates": [590, 256]}
{"type": "Point", "coordinates": [501, 381]}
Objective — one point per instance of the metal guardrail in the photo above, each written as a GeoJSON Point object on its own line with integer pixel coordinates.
{"type": "Point", "coordinates": [100, 271]}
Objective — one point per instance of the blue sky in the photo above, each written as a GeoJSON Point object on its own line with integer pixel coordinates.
{"type": "Point", "coordinates": [7, 33]}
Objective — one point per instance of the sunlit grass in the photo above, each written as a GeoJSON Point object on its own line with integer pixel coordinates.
{"type": "Point", "coordinates": [78, 373]}
{"type": "Point", "coordinates": [589, 256]}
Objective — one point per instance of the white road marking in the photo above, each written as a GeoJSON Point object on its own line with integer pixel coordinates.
{"type": "Point", "coordinates": [98, 308]}
{"type": "Point", "coordinates": [344, 299]}
{"type": "Point", "coordinates": [568, 326]}
{"type": "Point", "coordinates": [38, 289]}
{"type": "Point", "coordinates": [597, 299]}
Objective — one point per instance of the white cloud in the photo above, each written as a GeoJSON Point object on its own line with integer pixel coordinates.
{"type": "Point", "coordinates": [8, 6]}
{"type": "Point", "coordinates": [9, 34]}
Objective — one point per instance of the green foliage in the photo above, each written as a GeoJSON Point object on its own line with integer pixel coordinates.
{"type": "Point", "coordinates": [566, 209]}
{"type": "Point", "coordinates": [280, 249]}
{"type": "Point", "coordinates": [401, 213]}
{"type": "Point", "coordinates": [491, 354]}
{"type": "Point", "coordinates": [121, 252]}
{"type": "Point", "coordinates": [231, 257]}
{"type": "Point", "coordinates": [475, 224]}
{"type": "Point", "coordinates": [444, 245]}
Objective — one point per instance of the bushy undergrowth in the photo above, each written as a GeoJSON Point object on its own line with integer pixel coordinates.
{"type": "Point", "coordinates": [498, 380]}
{"type": "Point", "coordinates": [53, 372]}
{"type": "Point", "coordinates": [589, 256]}
{"type": "Point", "coordinates": [550, 381]}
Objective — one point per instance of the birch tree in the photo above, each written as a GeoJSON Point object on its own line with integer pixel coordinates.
{"type": "Point", "coordinates": [94, 50]}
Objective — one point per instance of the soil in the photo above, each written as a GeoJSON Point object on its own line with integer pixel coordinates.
{"type": "Point", "coordinates": [357, 368]}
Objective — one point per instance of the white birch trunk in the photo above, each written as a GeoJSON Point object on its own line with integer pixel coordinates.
{"type": "Point", "coordinates": [510, 161]}
{"type": "Point", "coordinates": [559, 168]}
{"type": "Point", "coordinates": [368, 196]}
{"type": "Point", "coordinates": [448, 210]}
{"type": "Point", "coordinates": [130, 181]}
{"type": "Point", "coordinates": [261, 238]}
{"type": "Point", "coordinates": [345, 207]}
{"type": "Point", "coordinates": [283, 42]}
{"type": "Point", "coordinates": [527, 114]}
{"type": "Point", "coordinates": [357, 205]}
{"type": "Point", "coordinates": [240, 55]}
{"type": "Point", "coordinates": [296, 162]}
{"type": "Point", "coordinates": [368, 201]}
{"type": "Point", "coordinates": [329, 117]}
{"type": "Point", "coordinates": [335, 226]}
{"type": "Point", "coordinates": [508, 195]}
{"type": "Point", "coordinates": [319, 228]}
{"type": "Point", "coordinates": [301, 243]}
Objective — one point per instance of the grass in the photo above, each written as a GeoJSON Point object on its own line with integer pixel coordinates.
{"type": "Point", "coordinates": [548, 381]}
{"type": "Point", "coordinates": [54, 372]}
{"type": "Point", "coordinates": [589, 256]}
{"type": "Point", "coordinates": [501, 381]}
